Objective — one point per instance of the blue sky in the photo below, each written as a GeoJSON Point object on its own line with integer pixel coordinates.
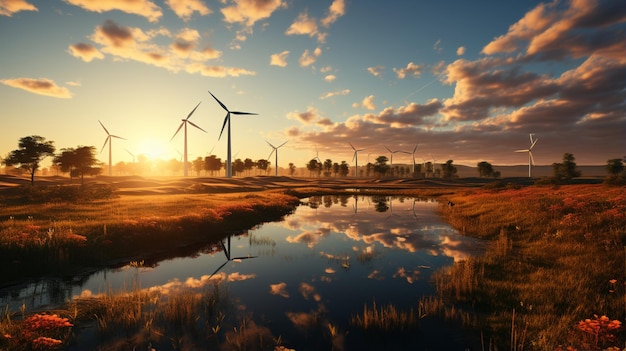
{"type": "Point", "coordinates": [466, 81]}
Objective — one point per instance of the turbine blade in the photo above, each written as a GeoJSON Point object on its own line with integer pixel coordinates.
{"type": "Point", "coordinates": [195, 125]}
{"type": "Point", "coordinates": [192, 111]}
{"type": "Point", "coordinates": [532, 159]}
{"type": "Point", "coordinates": [119, 137]}
{"type": "Point", "coordinates": [219, 102]}
{"type": "Point", "coordinates": [353, 156]}
{"type": "Point", "coordinates": [388, 149]}
{"type": "Point", "coordinates": [243, 258]}
{"type": "Point", "coordinates": [224, 125]}
{"type": "Point", "coordinates": [177, 130]}
{"type": "Point", "coordinates": [522, 150]}
{"type": "Point", "coordinates": [533, 144]}
{"type": "Point", "coordinates": [243, 113]}
{"type": "Point", "coordinates": [270, 144]}
{"type": "Point", "coordinates": [103, 127]}
{"type": "Point", "coordinates": [218, 269]}
{"type": "Point", "coordinates": [271, 153]}
{"type": "Point", "coordinates": [352, 146]}
{"type": "Point", "coordinates": [282, 144]}
{"type": "Point", "coordinates": [415, 148]}
{"type": "Point", "coordinates": [105, 143]}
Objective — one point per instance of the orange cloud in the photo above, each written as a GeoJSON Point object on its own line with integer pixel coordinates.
{"type": "Point", "coordinates": [41, 86]}
{"type": "Point", "coordinates": [335, 93]}
{"type": "Point", "coordinates": [248, 12]}
{"type": "Point", "coordinates": [85, 52]}
{"type": "Point", "coordinates": [186, 8]}
{"type": "Point", "coordinates": [279, 59]}
{"type": "Point", "coordinates": [303, 25]}
{"type": "Point", "coordinates": [337, 9]}
{"type": "Point", "coordinates": [9, 7]}
{"type": "Point", "coordinates": [410, 69]}
{"type": "Point", "coordinates": [376, 71]}
{"type": "Point", "coordinates": [309, 58]}
{"type": "Point", "coordinates": [279, 289]}
{"type": "Point", "coordinates": [144, 8]}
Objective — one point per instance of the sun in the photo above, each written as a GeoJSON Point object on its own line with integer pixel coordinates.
{"type": "Point", "coordinates": [153, 149]}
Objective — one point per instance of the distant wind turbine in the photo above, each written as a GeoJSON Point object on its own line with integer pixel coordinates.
{"type": "Point", "coordinates": [275, 149]}
{"type": "Point", "coordinates": [394, 152]}
{"type": "Point", "coordinates": [413, 153]}
{"type": "Point", "coordinates": [355, 158]}
{"type": "Point", "coordinates": [108, 140]}
{"type": "Point", "coordinates": [130, 153]}
{"type": "Point", "coordinates": [531, 160]}
{"type": "Point", "coordinates": [317, 155]}
{"type": "Point", "coordinates": [184, 123]}
{"type": "Point", "coordinates": [229, 166]}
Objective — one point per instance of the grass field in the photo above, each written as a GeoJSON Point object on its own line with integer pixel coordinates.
{"type": "Point", "coordinates": [552, 278]}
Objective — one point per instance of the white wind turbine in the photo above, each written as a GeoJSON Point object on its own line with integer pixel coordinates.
{"type": "Point", "coordinates": [275, 149]}
{"type": "Point", "coordinates": [184, 123]}
{"type": "Point", "coordinates": [355, 158]}
{"type": "Point", "coordinates": [394, 152]}
{"type": "Point", "coordinates": [229, 166]}
{"type": "Point", "coordinates": [108, 140]}
{"type": "Point", "coordinates": [413, 153]}
{"type": "Point", "coordinates": [531, 160]}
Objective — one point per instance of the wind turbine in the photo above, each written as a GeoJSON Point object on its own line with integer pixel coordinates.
{"type": "Point", "coordinates": [275, 149]}
{"type": "Point", "coordinates": [130, 153]}
{"type": "Point", "coordinates": [229, 166]}
{"type": "Point", "coordinates": [184, 123]}
{"type": "Point", "coordinates": [108, 140]}
{"type": "Point", "coordinates": [394, 152]}
{"type": "Point", "coordinates": [355, 158]}
{"type": "Point", "coordinates": [531, 160]}
{"type": "Point", "coordinates": [413, 153]}
{"type": "Point", "coordinates": [228, 257]}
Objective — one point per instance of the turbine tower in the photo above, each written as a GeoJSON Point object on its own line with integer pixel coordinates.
{"type": "Point", "coordinates": [531, 160]}
{"type": "Point", "coordinates": [229, 166]}
{"type": "Point", "coordinates": [355, 158]}
{"type": "Point", "coordinates": [413, 153]}
{"type": "Point", "coordinates": [108, 140]}
{"type": "Point", "coordinates": [184, 123]}
{"type": "Point", "coordinates": [275, 149]}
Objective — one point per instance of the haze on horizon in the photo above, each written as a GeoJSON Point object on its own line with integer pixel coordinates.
{"type": "Point", "coordinates": [467, 81]}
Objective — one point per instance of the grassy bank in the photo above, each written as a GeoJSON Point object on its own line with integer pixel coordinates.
{"type": "Point", "coordinates": [59, 236]}
{"type": "Point", "coordinates": [557, 257]}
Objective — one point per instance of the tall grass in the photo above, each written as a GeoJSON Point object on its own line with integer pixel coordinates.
{"type": "Point", "coordinates": [553, 255]}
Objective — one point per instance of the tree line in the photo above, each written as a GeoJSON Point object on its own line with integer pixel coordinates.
{"type": "Point", "coordinates": [81, 161]}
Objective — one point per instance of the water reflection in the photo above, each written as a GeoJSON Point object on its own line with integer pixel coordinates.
{"type": "Point", "coordinates": [319, 266]}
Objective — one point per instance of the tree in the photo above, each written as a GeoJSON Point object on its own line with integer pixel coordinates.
{"type": "Point", "coordinates": [263, 165]}
{"type": "Point", "coordinates": [485, 169]}
{"type": "Point", "coordinates": [212, 163]}
{"type": "Point", "coordinates": [238, 166]}
{"type": "Point", "coordinates": [328, 166]}
{"type": "Point", "coordinates": [292, 169]}
{"type": "Point", "coordinates": [32, 150]}
{"type": "Point", "coordinates": [198, 165]}
{"type": "Point", "coordinates": [448, 170]}
{"type": "Point", "coordinates": [381, 167]}
{"type": "Point", "coordinates": [344, 169]}
{"type": "Point", "coordinates": [78, 162]}
{"type": "Point", "coordinates": [566, 170]}
{"type": "Point", "coordinates": [615, 167]}
{"type": "Point", "coordinates": [248, 164]}
{"type": "Point", "coordinates": [313, 166]}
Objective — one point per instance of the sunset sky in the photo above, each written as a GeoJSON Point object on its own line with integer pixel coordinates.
{"type": "Point", "coordinates": [466, 80]}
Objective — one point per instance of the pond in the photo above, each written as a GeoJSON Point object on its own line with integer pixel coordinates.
{"type": "Point", "coordinates": [323, 263]}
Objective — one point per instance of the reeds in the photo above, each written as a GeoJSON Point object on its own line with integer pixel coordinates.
{"type": "Point", "coordinates": [386, 319]}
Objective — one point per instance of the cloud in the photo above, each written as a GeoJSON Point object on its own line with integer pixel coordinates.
{"type": "Point", "coordinates": [460, 51]}
{"type": "Point", "coordinates": [185, 8]}
{"type": "Point", "coordinates": [410, 69]}
{"type": "Point", "coordinates": [183, 54]}
{"type": "Point", "coordinates": [367, 103]}
{"type": "Point", "coordinates": [303, 25]}
{"type": "Point", "coordinates": [279, 59]}
{"type": "Point", "coordinates": [307, 117]}
{"type": "Point", "coordinates": [308, 291]}
{"type": "Point", "coordinates": [376, 71]}
{"type": "Point", "coordinates": [335, 93]}
{"type": "Point", "coordinates": [85, 52]}
{"type": "Point", "coordinates": [41, 86]}
{"type": "Point", "coordinates": [337, 9]}
{"type": "Point", "coordinates": [248, 12]}
{"type": "Point", "coordinates": [279, 289]}
{"type": "Point", "coordinates": [144, 8]}
{"type": "Point", "coordinates": [330, 78]}
{"type": "Point", "coordinates": [9, 7]}
{"type": "Point", "coordinates": [309, 58]}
